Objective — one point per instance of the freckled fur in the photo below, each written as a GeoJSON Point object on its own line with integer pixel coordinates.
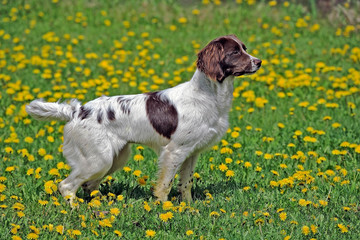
{"type": "Point", "coordinates": [98, 135]}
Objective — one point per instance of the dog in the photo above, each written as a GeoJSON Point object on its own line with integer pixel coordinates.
{"type": "Point", "coordinates": [178, 123]}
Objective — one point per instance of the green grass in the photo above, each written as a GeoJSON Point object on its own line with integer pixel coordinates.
{"type": "Point", "coordinates": [293, 143]}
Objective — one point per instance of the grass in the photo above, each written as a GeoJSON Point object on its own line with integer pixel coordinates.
{"type": "Point", "coordinates": [287, 168]}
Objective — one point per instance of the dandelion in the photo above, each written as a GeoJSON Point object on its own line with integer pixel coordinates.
{"type": "Point", "coordinates": [283, 216]}
{"type": "Point", "coordinates": [137, 173]}
{"type": "Point", "coordinates": [42, 152]}
{"type": "Point", "coordinates": [189, 232]}
{"type": "Point", "coordinates": [29, 140]}
{"type": "Point", "coordinates": [114, 211]}
{"type": "Point", "coordinates": [2, 187]}
{"type": "Point", "coordinates": [59, 229]}
{"type": "Point", "coordinates": [50, 139]}
{"type": "Point", "coordinates": [10, 169]}
{"type": "Point", "coordinates": [195, 12]}
{"type": "Point", "coordinates": [182, 20]}
{"type": "Point", "coordinates": [166, 216]}
{"type": "Point", "coordinates": [105, 223]}
{"type": "Point", "coordinates": [54, 172]}
{"type": "Point", "coordinates": [235, 134]}
{"type": "Point", "coordinates": [214, 214]}
{"type": "Point", "coordinates": [247, 165]}
{"type": "Point", "coordinates": [32, 236]}
{"type": "Point", "coordinates": [147, 207]}
{"type": "Point", "coordinates": [342, 228]}
{"type": "Point", "coordinates": [167, 205]}
{"type": "Point", "coordinates": [118, 233]}
{"type": "Point", "coordinates": [305, 230]}
{"type": "Point", "coordinates": [229, 173]}
{"type": "Point", "coordinates": [107, 22]}
{"type": "Point", "coordinates": [303, 202]}
{"type": "Point", "coordinates": [272, 3]}
{"type": "Point", "coordinates": [223, 167]}
{"type": "Point", "coordinates": [150, 233]}
{"type": "Point", "coordinates": [138, 157]}
{"type": "Point", "coordinates": [43, 202]}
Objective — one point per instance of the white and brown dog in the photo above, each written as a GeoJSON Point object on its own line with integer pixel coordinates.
{"type": "Point", "coordinates": [178, 123]}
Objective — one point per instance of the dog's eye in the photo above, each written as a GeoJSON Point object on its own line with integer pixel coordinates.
{"type": "Point", "coordinates": [235, 52]}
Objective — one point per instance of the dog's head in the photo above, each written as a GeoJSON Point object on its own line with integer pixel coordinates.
{"type": "Point", "coordinates": [226, 56]}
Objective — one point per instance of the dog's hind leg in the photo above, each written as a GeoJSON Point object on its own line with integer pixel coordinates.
{"type": "Point", "coordinates": [119, 161]}
{"type": "Point", "coordinates": [90, 160]}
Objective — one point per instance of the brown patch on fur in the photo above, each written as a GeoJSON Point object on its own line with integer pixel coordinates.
{"type": "Point", "coordinates": [162, 114]}
{"type": "Point", "coordinates": [84, 112]}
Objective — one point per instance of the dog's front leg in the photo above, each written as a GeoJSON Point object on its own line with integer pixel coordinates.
{"type": "Point", "coordinates": [186, 177]}
{"type": "Point", "coordinates": [169, 163]}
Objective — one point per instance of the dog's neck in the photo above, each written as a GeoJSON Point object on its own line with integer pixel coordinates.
{"type": "Point", "coordinates": [221, 92]}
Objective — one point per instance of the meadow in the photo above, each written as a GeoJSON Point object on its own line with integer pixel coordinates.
{"type": "Point", "coordinates": [287, 168]}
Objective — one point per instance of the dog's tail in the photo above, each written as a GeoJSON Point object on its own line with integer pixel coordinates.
{"type": "Point", "coordinates": [41, 110]}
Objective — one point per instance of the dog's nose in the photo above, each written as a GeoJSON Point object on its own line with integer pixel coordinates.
{"type": "Point", "coordinates": [257, 62]}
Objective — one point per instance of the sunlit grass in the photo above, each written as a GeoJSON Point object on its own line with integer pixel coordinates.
{"type": "Point", "coordinates": [287, 167]}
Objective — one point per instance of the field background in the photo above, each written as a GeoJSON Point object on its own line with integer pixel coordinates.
{"type": "Point", "coordinates": [288, 167]}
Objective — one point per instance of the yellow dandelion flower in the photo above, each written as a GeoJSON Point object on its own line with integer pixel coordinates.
{"type": "Point", "coordinates": [43, 202]}
{"type": "Point", "coordinates": [214, 214]}
{"type": "Point", "coordinates": [59, 229]}
{"type": "Point", "coordinates": [147, 207]}
{"type": "Point", "coordinates": [32, 236]}
{"type": "Point", "coordinates": [42, 152]}
{"type": "Point", "coordinates": [166, 216]}
{"type": "Point", "coordinates": [182, 20]}
{"type": "Point", "coordinates": [29, 140]}
{"type": "Point", "coordinates": [137, 173]}
{"type": "Point", "coordinates": [2, 187]}
{"type": "Point", "coordinates": [223, 167]}
{"type": "Point", "coordinates": [10, 169]}
{"type": "Point", "coordinates": [150, 233]}
{"type": "Point", "coordinates": [247, 165]}
{"type": "Point", "coordinates": [305, 230]}
{"type": "Point", "coordinates": [167, 205]}
{"type": "Point", "coordinates": [118, 233]}
{"type": "Point", "coordinates": [114, 211]}
{"type": "Point", "coordinates": [229, 173]}
{"type": "Point", "coordinates": [323, 203]}
{"type": "Point", "coordinates": [272, 3]}
{"type": "Point", "coordinates": [342, 228]}
{"type": "Point", "coordinates": [138, 157]}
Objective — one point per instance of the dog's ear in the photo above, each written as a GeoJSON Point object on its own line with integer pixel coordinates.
{"type": "Point", "coordinates": [210, 57]}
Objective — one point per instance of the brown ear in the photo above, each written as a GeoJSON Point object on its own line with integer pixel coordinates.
{"type": "Point", "coordinates": [209, 59]}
